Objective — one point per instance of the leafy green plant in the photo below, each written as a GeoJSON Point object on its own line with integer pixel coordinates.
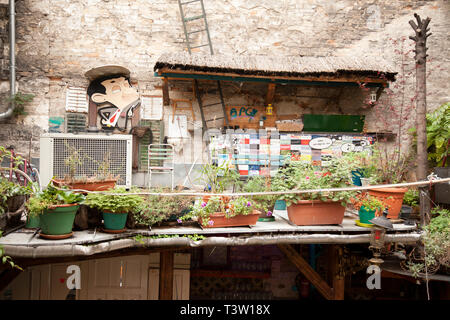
{"type": "Point", "coordinates": [5, 153]}
{"type": "Point", "coordinates": [438, 136]}
{"type": "Point", "coordinates": [218, 178]}
{"type": "Point", "coordinates": [50, 197]}
{"type": "Point", "coordinates": [160, 208]}
{"type": "Point", "coordinates": [20, 100]}
{"type": "Point", "coordinates": [436, 242]}
{"type": "Point", "coordinates": [263, 203]}
{"type": "Point", "coordinates": [298, 175]}
{"type": "Point", "coordinates": [215, 204]}
{"type": "Point", "coordinates": [239, 206]}
{"type": "Point", "coordinates": [115, 200]}
{"type": "Point", "coordinates": [372, 203]}
{"type": "Point", "coordinates": [10, 189]}
{"type": "Point", "coordinates": [411, 198]}
{"type": "Point", "coordinates": [76, 158]}
{"type": "Point", "coordinates": [7, 259]}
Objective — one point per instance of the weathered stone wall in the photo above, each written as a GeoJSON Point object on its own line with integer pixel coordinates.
{"type": "Point", "coordinates": [58, 41]}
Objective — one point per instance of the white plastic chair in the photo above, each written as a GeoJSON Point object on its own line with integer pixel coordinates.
{"type": "Point", "coordinates": [164, 153]}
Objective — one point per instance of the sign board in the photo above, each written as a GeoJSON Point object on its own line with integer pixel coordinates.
{"type": "Point", "coordinates": [320, 143]}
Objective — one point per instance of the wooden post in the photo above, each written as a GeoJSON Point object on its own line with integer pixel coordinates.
{"type": "Point", "coordinates": [310, 274]}
{"type": "Point", "coordinates": [336, 271]}
{"type": "Point", "coordinates": [92, 115]}
{"type": "Point", "coordinates": [420, 38]}
{"type": "Point", "coordinates": [270, 93]}
{"type": "Point", "coordinates": [165, 92]}
{"type": "Point", "coordinates": [166, 276]}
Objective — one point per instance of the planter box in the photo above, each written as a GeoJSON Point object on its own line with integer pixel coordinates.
{"type": "Point", "coordinates": [88, 186]}
{"type": "Point", "coordinates": [442, 190]}
{"type": "Point", "coordinates": [392, 197]}
{"type": "Point", "coordinates": [220, 221]}
{"type": "Point", "coordinates": [316, 212]}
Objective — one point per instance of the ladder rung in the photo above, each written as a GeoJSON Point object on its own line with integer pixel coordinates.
{"type": "Point", "coordinates": [211, 104]}
{"type": "Point", "coordinates": [191, 32]}
{"type": "Point", "coordinates": [203, 45]}
{"type": "Point", "coordinates": [187, 2]}
{"type": "Point", "coordinates": [194, 18]}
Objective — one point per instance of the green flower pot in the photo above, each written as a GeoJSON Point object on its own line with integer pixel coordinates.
{"type": "Point", "coordinates": [58, 220]}
{"type": "Point", "coordinates": [365, 215]}
{"type": "Point", "coordinates": [32, 222]}
{"type": "Point", "coordinates": [114, 221]}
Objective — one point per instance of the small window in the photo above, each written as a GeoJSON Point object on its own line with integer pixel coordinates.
{"type": "Point", "coordinates": [151, 107]}
{"type": "Point", "coordinates": [76, 100]}
{"type": "Point", "coordinates": [75, 122]}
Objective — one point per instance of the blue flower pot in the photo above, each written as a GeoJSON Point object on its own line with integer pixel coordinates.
{"type": "Point", "coordinates": [356, 177]}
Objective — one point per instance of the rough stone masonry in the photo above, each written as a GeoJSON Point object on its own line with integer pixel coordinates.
{"type": "Point", "coordinates": [58, 41]}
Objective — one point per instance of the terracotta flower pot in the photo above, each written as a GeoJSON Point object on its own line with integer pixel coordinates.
{"type": "Point", "coordinates": [392, 198]}
{"type": "Point", "coordinates": [100, 185]}
{"type": "Point", "coordinates": [316, 212]}
{"type": "Point", "coordinates": [218, 220]}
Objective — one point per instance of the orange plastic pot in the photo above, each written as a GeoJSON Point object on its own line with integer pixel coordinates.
{"type": "Point", "coordinates": [316, 212]}
{"type": "Point", "coordinates": [392, 198]}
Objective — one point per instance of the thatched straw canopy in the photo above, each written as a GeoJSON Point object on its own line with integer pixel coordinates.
{"type": "Point", "coordinates": [291, 66]}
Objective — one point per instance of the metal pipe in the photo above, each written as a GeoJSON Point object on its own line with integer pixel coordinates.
{"type": "Point", "coordinates": [12, 60]}
{"type": "Point", "coordinates": [34, 250]}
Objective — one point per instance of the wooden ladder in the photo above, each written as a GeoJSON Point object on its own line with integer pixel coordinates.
{"type": "Point", "coordinates": [187, 33]}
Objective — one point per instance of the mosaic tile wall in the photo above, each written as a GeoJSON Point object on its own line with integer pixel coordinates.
{"type": "Point", "coordinates": [264, 152]}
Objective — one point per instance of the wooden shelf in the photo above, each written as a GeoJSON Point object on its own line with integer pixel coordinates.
{"type": "Point", "coordinates": [229, 274]}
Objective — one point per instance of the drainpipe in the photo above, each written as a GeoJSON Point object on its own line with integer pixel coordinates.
{"type": "Point", "coordinates": [12, 59]}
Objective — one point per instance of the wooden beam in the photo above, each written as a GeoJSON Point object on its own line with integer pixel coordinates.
{"type": "Point", "coordinates": [310, 274]}
{"type": "Point", "coordinates": [337, 275]}
{"type": "Point", "coordinates": [270, 93]}
{"type": "Point", "coordinates": [92, 114]}
{"type": "Point", "coordinates": [166, 276]}
{"type": "Point", "coordinates": [165, 92]}
{"type": "Point", "coordinates": [342, 78]}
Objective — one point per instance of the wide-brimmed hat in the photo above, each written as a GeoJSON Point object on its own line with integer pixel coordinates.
{"type": "Point", "coordinates": [104, 71]}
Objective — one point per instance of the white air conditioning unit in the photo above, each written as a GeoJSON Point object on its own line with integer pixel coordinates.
{"type": "Point", "coordinates": [93, 149]}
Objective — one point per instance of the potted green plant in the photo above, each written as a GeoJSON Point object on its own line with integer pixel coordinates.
{"type": "Point", "coordinates": [263, 204]}
{"type": "Point", "coordinates": [359, 162]}
{"type": "Point", "coordinates": [436, 244]}
{"type": "Point", "coordinates": [12, 200]}
{"type": "Point", "coordinates": [438, 142]}
{"type": "Point", "coordinates": [103, 180]}
{"type": "Point", "coordinates": [218, 178]}
{"type": "Point", "coordinates": [56, 209]}
{"type": "Point", "coordinates": [389, 167]}
{"type": "Point", "coordinates": [215, 213]}
{"type": "Point", "coordinates": [162, 209]}
{"type": "Point", "coordinates": [115, 205]}
{"type": "Point", "coordinates": [368, 207]}
{"type": "Point", "coordinates": [317, 208]}
{"type": "Point", "coordinates": [410, 203]}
